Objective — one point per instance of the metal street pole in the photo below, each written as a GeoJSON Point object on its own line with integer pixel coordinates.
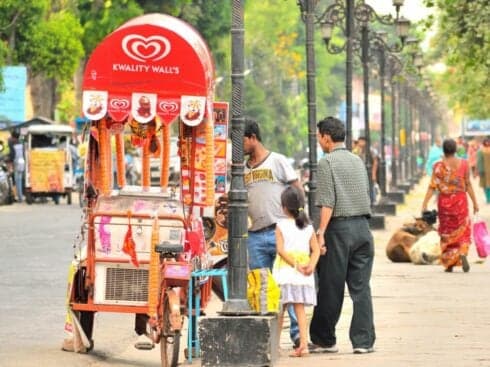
{"type": "Point", "coordinates": [349, 34]}
{"type": "Point", "coordinates": [307, 11]}
{"type": "Point", "coordinates": [237, 225]}
{"type": "Point", "coordinates": [394, 128]}
{"type": "Point", "coordinates": [382, 163]}
{"type": "Point", "coordinates": [365, 79]}
{"type": "Point", "coordinates": [407, 135]}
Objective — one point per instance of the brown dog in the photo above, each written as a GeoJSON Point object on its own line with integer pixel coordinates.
{"type": "Point", "coordinates": [398, 248]}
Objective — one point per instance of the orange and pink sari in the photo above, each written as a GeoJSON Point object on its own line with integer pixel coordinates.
{"type": "Point", "coordinates": [452, 206]}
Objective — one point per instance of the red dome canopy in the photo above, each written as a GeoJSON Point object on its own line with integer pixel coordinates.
{"type": "Point", "coordinates": [145, 68]}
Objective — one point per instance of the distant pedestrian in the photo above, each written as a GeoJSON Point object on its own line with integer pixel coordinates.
{"type": "Point", "coordinates": [435, 154]}
{"type": "Point", "coordinates": [19, 164]}
{"type": "Point", "coordinates": [297, 256]}
{"type": "Point", "coordinates": [345, 241]}
{"type": "Point", "coordinates": [483, 166]}
{"type": "Point", "coordinates": [267, 174]}
{"type": "Point", "coordinates": [451, 178]}
{"type": "Point", "coordinates": [461, 148]}
{"type": "Point", "coordinates": [473, 148]}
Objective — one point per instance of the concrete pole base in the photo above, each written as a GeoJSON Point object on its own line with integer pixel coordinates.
{"type": "Point", "coordinates": [405, 187]}
{"type": "Point", "coordinates": [232, 341]}
{"type": "Point", "coordinates": [385, 207]}
{"type": "Point", "coordinates": [396, 196]}
{"type": "Point", "coordinates": [377, 221]}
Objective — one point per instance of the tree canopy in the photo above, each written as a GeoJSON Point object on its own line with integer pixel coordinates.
{"type": "Point", "coordinates": [463, 44]}
{"type": "Point", "coordinates": [53, 38]}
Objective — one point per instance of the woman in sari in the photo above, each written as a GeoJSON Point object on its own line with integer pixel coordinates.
{"type": "Point", "coordinates": [451, 178]}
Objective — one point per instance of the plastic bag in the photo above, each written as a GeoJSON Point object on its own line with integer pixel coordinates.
{"type": "Point", "coordinates": [481, 237]}
{"type": "Point", "coordinates": [263, 293]}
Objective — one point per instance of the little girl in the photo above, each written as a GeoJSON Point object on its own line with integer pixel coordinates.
{"type": "Point", "coordinates": [298, 252]}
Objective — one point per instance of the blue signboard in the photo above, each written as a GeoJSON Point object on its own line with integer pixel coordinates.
{"type": "Point", "coordinates": [12, 99]}
{"type": "Point", "coordinates": [476, 127]}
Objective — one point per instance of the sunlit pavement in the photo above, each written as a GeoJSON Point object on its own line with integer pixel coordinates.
{"type": "Point", "coordinates": [423, 316]}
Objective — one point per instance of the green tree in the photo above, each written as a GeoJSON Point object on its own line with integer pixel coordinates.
{"type": "Point", "coordinates": [463, 43]}
{"type": "Point", "coordinates": [100, 18]}
{"type": "Point", "coordinates": [43, 36]}
{"type": "Point", "coordinates": [55, 50]}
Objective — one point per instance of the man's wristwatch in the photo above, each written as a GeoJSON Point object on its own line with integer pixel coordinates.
{"type": "Point", "coordinates": [319, 232]}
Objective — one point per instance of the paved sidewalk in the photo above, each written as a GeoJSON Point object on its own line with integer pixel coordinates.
{"type": "Point", "coordinates": [423, 316]}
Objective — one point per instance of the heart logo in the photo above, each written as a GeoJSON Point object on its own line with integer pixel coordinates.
{"type": "Point", "coordinates": [168, 107]}
{"type": "Point", "coordinates": [144, 49]}
{"type": "Point", "coordinates": [119, 104]}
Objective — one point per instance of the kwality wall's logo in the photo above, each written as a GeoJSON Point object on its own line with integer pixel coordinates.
{"type": "Point", "coordinates": [152, 48]}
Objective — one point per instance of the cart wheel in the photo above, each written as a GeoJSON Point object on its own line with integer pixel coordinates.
{"type": "Point", "coordinates": [68, 198]}
{"type": "Point", "coordinates": [29, 199]}
{"type": "Point", "coordinates": [170, 339]}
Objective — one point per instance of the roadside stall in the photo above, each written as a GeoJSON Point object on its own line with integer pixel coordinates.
{"type": "Point", "coordinates": [151, 80]}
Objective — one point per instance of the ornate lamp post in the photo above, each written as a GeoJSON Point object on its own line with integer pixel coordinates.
{"type": "Point", "coordinates": [361, 14]}
{"type": "Point", "coordinates": [379, 44]}
{"type": "Point", "coordinates": [237, 228]}
{"type": "Point", "coordinates": [395, 67]}
{"type": "Point", "coordinates": [357, 17]}
{"type": "Point", "coordinates": [307, 8]}
{"type": "Point", "coordinates": [352, 12]}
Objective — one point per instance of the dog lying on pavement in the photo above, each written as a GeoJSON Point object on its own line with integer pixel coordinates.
{"type": "Point", "coordinates": [426, 250]}
{"type": "Point", "coordinates": [401, 248]}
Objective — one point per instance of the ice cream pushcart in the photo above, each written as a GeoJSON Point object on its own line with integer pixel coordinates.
{"type": "Point", "coordinates": [149, 80]}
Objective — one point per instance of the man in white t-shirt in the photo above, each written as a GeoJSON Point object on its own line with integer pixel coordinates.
{"type": "Point", "coordinates": [267, 174]}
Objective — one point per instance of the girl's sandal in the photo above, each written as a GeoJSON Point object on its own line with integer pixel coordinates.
{"type": "Point", "coordinates": [299, 352]}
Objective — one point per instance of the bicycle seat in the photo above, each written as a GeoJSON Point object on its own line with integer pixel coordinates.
{"type": "Point", "coordinates": [168, 247]}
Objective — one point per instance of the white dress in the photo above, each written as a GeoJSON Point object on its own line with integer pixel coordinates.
{"type": "Point", "coordinates": [295, 287]}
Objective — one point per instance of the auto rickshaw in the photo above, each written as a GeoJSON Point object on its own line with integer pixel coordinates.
{"type": "Point", "coordinates": [49, 167]}
{"type": "Point", "coordinates": [149, 80]}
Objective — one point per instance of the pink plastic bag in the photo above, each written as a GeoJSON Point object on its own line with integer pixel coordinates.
{"type": "Point", "coordinates": [481, 238]}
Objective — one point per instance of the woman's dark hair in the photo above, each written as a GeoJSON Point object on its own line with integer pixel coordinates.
{"type": "Point", "coordinates": [332, 126]}
{"type": "Point", "coordinates": [252, 128]}
{"type": "Point", "coordinates": [449, 147]}
{"type": "Point", "coordinates": [293, 200]}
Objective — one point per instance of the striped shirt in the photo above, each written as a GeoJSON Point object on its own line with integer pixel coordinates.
{"type": "Point", "coordinates": [343, 184]}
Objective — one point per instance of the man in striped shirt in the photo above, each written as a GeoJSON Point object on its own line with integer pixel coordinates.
{"type": "Point", "coordinates": [346, 243]}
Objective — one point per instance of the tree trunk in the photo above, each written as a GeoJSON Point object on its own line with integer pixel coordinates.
{"type": "Point", "coordinates": [43, 95]}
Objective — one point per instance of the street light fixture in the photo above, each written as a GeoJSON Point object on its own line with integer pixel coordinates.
{"type": "Point", "coordinates": [395, 67]}
{"type": "Point", "coordinates": [354, 12]}
{"type": "Point", "coordinates": [307, 8]}
{"type": "Point", "coordinates": [357, 15]}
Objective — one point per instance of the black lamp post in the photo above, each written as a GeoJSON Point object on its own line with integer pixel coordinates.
{"type": "Point", "coordinates": [399, 133]}
{"type": "Point", "coordinates": [237, 303]}
{"type": "Point", "coordinates": [307, 8]}
{"type": "Point", "coordinates": [350, 11]}
{"type": "Point", "coordinates": [395, 67]}
{"type": "Point", "coordinates": [379, 44]}
{"type": "Point", "coordinates": [362, 14]}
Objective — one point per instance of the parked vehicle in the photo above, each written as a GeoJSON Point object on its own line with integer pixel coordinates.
{"type": "Point", "coordinates": [49, 167]}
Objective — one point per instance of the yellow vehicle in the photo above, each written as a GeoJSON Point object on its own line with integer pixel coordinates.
{"type": "Point", "coordinates": [49, 170]}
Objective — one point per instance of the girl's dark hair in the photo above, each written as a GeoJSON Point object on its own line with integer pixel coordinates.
{"type": "Point", "coordinates": [293, 200]}
{"type": "Point", "coordinates": [449, 147]}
